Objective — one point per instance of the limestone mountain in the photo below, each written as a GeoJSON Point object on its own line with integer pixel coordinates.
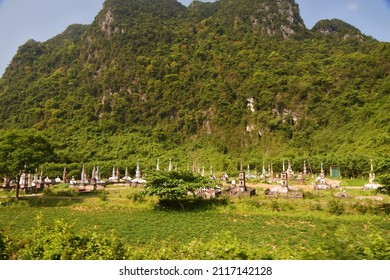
{"type": "Point", "coordinates": [337, 27]}
{"type": "Point", "coordinates": [279, 18]}
{"type": "Point", "coordinates": [221, 81]}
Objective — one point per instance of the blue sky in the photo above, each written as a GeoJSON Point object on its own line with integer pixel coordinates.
{"type": "Point", "coordinates": [21, 20]}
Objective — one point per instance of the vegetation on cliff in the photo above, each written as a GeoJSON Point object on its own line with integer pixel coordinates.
{"type": "Point", "coordinates": [216, 83]}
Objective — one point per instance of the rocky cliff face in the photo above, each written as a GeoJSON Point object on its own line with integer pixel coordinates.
{"type": "Point", "coordinates": [279, 18]}
{"type": "Point", "coordinates": [338, 28]}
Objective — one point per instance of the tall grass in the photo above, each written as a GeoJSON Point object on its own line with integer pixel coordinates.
{"type": "Point", "coordinates": [265, 228]}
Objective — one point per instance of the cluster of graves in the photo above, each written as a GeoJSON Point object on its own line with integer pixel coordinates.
{"type": "Point", "coordinates": [36, 182]}
{"type": "Point", "coordinates": [95, 182]}
{"type": "Point", "coordinates": [29, 182]}
{"type": "Point", "coordinates": [233, 189]}
{"type": "Point", "coordinates": [283, 188]}
{"type": "Point", "coordinates": [271, 176]}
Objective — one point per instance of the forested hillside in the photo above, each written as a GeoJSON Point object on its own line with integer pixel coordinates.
{"type": "Point", "coordinates": [216, 83]}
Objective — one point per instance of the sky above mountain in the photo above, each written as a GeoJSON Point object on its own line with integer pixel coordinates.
{"type": "Point", "coordinates": [21, 20]}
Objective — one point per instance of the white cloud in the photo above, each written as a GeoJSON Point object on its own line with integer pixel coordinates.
{"type": "Point", "coordinates": [352, 6]}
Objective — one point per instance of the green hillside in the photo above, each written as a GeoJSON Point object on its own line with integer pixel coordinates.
{"type": "Point", "coordinates": [213, 83]}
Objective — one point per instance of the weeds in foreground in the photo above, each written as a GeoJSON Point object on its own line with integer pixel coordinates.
{"type": "Point", "coordinates": [62, 242]}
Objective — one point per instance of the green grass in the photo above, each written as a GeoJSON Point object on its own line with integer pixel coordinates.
{"type": "Point", "coordinates": [285, 228]}
{"type": "Point", "coordinates": [353, 182]}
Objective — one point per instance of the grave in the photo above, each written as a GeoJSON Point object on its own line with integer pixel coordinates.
{"type": "Point", "coordinates": [239, 190]}
{"type": "Point", "coordinates": [372, 184]}
{"type": "Point", "coordinates": [322, 184]}
{"type": "Point", "coordinates": [283, 189]}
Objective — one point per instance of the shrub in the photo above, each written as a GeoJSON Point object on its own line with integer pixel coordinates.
{"type": "Point", "coordinates": [8, 201]}
{"type": "Point", "coordinates": [342, 245]}
{"type": "Point", "coordinates": [336, 207]}
{"type": "Point", "coordinates": [308, 195]}
{"type": "Point", "coordinates": [136, 197]}
{"type": "Point", "coordinates": [275, 205]}
{"type": "Point", "coordinates": [103, 195]}
{"type": "Point", "coordinates": [3, 246]}
{"type": "Point", "coordinates": [316, 206]}
{"type": "Point", "coordinates": [385, 181]}
{"type": "Point", "coordinates": [63, 242]}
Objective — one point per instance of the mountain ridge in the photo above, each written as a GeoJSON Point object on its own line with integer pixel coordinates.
{"type": "Point", "coordinates": [208, 77]}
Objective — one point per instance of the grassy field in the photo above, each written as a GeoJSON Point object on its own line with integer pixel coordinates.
{"type": "Point", "coordinates": [354, 182]}
{"type": "Point", "coordinates": [319, 226]}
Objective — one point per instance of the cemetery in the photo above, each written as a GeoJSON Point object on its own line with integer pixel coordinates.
{"type": "Point", "coordinates": [101, 123]}
{"type": "Point", "coordinates": [283, 184]}
{"type": "Point", "coordinates": [299, 219]}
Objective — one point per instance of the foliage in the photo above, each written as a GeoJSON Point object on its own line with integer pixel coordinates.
{"type": "Point", "coordinates": [222, 246]}
{"type": "Point", "coordinates": [155, 79]}
{"type": "Point", "coordinates": [23, 149]}
{"type": "Point", "coordinates": [4, 243]}
{"type": "Point", "coordinates": [173, 185]}
{"type": "Point", "coordinates": [84, 227]}
{"type": "Point", "coordinates": [336, 206]}
{"type": "Point", "coordinates": [62, 242]}
{"type": "Point", "coordinates": [385, 183]}
{"type": "Point", "coordinates": [344, 246]}
{"type": "Point", "coordinates": [335, 26]}
{"type": "Point", "coordinates": [103, 195]}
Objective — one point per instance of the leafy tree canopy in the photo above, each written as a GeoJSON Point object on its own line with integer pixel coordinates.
{"type": "Point", "coordinates": [174, 184]}
{"type": "Point", "coordinates": [20, 149]}
{"type": "Point", "coordinates": [23, 151]}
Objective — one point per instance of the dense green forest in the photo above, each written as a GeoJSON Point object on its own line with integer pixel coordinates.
{"type": "Point", "coordinates": [214, 83]}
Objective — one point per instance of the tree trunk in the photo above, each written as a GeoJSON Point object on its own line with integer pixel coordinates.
{"type": "Point", "coordinates": [17, 186]}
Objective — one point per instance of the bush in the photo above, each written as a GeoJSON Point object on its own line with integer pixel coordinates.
{"type": "Point", "coordinates": [103, 195]}
{"type": "Point", "coordinates": [336, 207]}
{"type": "Point", "coordinates": [62, 242]}
{"type": "Point", "coordinates": [8, 201]}
{"type": "Point", "coordinates": [384, 180]}
{"type": "Point", "coordinates": [3, 246]}
{"type": "Point", "coordinates": [275, 206]}
{"type": "Point", "coordinates": [316, 206]}
{"type": "Point", "coordinates": [368, 207]}
{"type": "Point", "coordinates": [308, 195]}
{"type": "Point", "coordinates": [342, 245]}
{"type": "Point", "coordinates": [136, 197]}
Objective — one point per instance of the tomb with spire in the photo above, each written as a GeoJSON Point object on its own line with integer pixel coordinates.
{"type": "Point", "coordinates": [126, 178]}
{"type": "Point", "coordinates": [283, 189]}
{"type": "Point", "coordinates": [321, 183]}
{"type": "Point", "coordinates": [114, 175]}
{"type": "Point", "coordinates": [85, 184]}
{"type": "Point", "coordinates": [241, 189]}
{"type": "Point", "coordinates": [248, 172]}
{"type": "Point", "coordinates": [290, 172]}
{"type": "Point", "coordinates": [138, 180]}
{"type": "Point", "coordinates": [158, 165]}
{"type": "Point", "coordinates": [372, 184]}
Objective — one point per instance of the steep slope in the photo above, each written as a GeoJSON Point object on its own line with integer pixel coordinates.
{"type": "Point", "coordinates": [337, 27]}
{"type": "Point", "coordinates": [279, 18]}
{"type": "Point", "coordinates": [222, 80]}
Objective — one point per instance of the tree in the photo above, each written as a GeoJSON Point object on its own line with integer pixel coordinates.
{"type": "Point", "coordinates": [174, 185]}
{"type": "Point", "coordinates": [384, 180]}
{"type": "Point", "coordinates": [23, 151]}
{"type": "Point", "coordinates": [383, 169]}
